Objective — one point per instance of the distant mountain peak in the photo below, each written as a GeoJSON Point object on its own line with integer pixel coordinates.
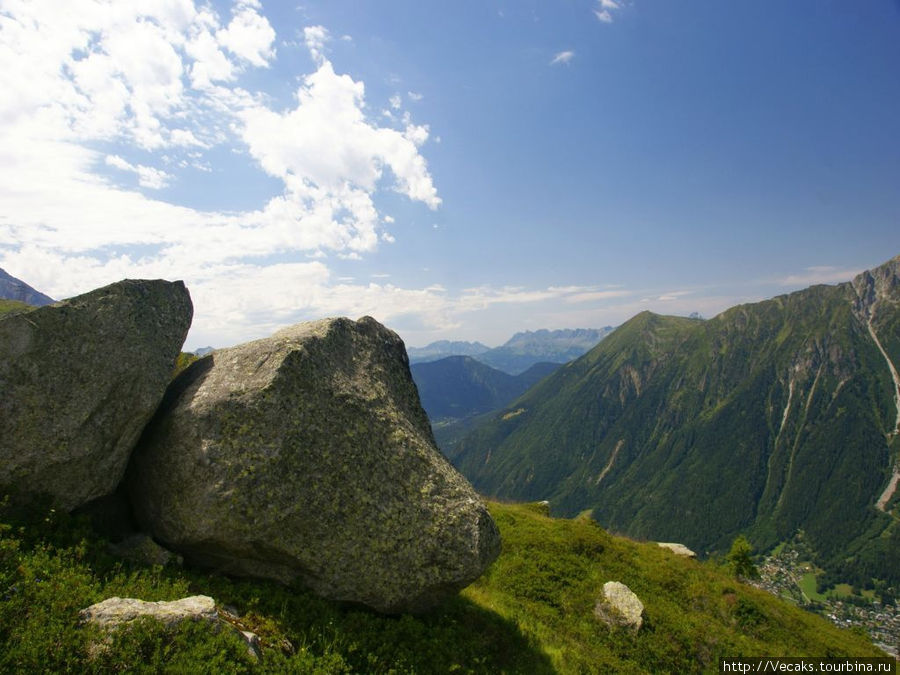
{"type": "Point", "coordinates": [16, 289]}
{"type": "Point", "coordinates": [444, 348]}
{"type": "Point", "coordinates": [521, 351]}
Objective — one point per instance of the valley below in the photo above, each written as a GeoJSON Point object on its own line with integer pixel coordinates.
{"type": "Point", "coordinates": [789, 574]}
{"type": "Point", "coordinates": [778, 420]}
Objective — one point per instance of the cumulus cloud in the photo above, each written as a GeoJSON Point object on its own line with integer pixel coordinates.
{"type": "Point", "coordinates": [162, 81]}
{"type": "Point", "coordinates": [562, 58]}
{"type": "Point", "coordinates": [249, 35]}
{"type": "Point", "coordinates": [331, 158]}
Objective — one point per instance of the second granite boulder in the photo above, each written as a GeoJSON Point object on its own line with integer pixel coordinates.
{"type": "Point", "coordinates": [306, 457]}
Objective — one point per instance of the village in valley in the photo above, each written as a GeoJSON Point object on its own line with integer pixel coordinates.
{"type": "Point", "coordinates": [788, 573]}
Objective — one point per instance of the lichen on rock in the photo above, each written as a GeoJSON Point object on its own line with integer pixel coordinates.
{"type": "Point", "coordinates": [115, 612]}
{"type": "Point", "coordinates": [79, 380]}
{"type": "Point", "coordinates": [619, 606]}
{"type": "Point", "coordinates": [306, 457]}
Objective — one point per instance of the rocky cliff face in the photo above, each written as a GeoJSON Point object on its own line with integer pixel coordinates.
{"type": "Point", "coordinates": [878, 286]}
{"type": "Point", "coordinates": [307, 457]}
{"type": "Point", "coordinates": [79, 380]}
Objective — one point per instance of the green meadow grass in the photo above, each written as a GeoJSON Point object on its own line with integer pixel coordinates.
{"type": "Point", "coordinates": [532, 612]}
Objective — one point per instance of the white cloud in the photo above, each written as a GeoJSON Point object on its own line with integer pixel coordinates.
{"type": "Point", "coordinates": [326, 148]}
{"type": "Point", "coordinates": [210, 62]}
{"type": "Point", "coordinates": [395, 101]}
{"type": "Point", "coordinates": [416, 134]}
{"type": "Point", "coordinates": [671, 296]}
{"type": "Point", "coordinates": [820, 274]}
{"type": "Point", "coordinates": [606, 9]}
{"type": "Point", "coordinates": [185, 137]}
{"type": "Point", "coordinates": [315, 38]}
{"type": "Point", "coordinates": [414, 96]}
{"type": "Point", "coordinates": [148, 177]}
{"type": "Point", "coordinates": [162, 80]}
{"type": "Point", "coordinates": [593, 296]}
{"type": "Point", "coordinates": [249, 35]}
{"type": "Point", "coordinates": [562, 58]}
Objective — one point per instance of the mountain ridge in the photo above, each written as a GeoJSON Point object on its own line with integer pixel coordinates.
{"type": "Point", "coordinates": [441, 349]}
{"type": "Point", "coordinates": [701, 430]}
{"type": "Point", "coordinates": [523, 350]}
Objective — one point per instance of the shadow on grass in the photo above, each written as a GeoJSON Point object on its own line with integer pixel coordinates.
{"type": "Point", "coordinates": [299, 631]}
{"type": "Point", "coordinates": [458, 636]}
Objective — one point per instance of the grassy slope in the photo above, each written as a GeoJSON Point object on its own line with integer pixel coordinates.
{"type": "Point", "coordinates": [9, 306]}
{"type": "Point", "coordinates": [532, 612]}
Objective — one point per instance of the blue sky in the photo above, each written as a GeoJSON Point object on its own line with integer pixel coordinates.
{"type": "Point", "coordinates": [458, 170]}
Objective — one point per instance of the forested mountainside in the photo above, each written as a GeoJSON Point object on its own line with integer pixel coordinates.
{"type": "Point", "coordinates": [770, 418]}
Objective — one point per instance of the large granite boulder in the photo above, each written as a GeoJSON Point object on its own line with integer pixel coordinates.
{"type": "Point", "coordinates": [79, 380]}
{"type": "Point", "coordinates": [306, 457]}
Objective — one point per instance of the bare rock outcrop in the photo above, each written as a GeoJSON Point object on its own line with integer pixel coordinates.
{"type": "Point", "coordinates": [115, 612]}
{"type": "Point", "coordinates": [677, 549]}
{"type": "Point", "coordinates": [306, 457]}
{"type": "Point", "coordinates": [79, 380]}
{"type": "Point", "coordinates": [879, 285]}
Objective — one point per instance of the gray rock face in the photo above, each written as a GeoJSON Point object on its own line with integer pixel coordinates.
{"type": "Point", "coordinates": [619, 606]}
{"type": "Point", "coordinates": [79, 380]}
{"type": "Point", "coordinates": [873, 287]}
{"type": "Point", "coordinates": [306, 457]}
